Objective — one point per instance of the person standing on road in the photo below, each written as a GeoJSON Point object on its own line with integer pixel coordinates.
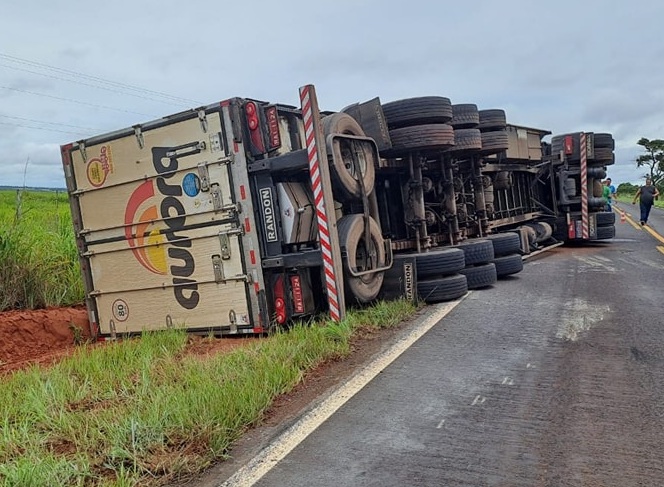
{"type": "Point", "coordinates": [612, 193]}
{"type": "Point", "coordinates": [606, 194]}
{"type": "Point", "coordinates": [646, 196]}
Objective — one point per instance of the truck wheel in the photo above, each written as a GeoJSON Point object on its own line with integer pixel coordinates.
{"type": "Point", "coordinates": [607, 232]}
{"type": "Point", "coordinates": [477, 251]}
{"type": "Point", "coordinates": [466, 140]}
{"type": "Point", "coordinates": [342, 164]}
{"type": "Point", "coordinates": [493, 142]}
{"type": "Point", "coordinates": [507, 265]}
{"type": "Point", "coordinates": [504, 243]}
{"type": "Point", "coordinates": [480, 276]}
{"type": "Point", "coordinates": [350, 228]}
{"type": "Point", "coordinates": [422, 137]}
{"type": "Point", "coordinates": [439, 262]}
{"type": "Point", "coordinates": [605, 218]}
{"type": "Point", "coordinates": [417, 111]}
{"type": "Point", "coordinates": [604, 140]}
{"type": "Point", "coordinates": [602, 154]}
{"type": "Point", "coordinates": [465, 116]}
{"type": "Point", "coordinates": [492, 120]}
{"type": "Point", "coordinates": [442, 289]}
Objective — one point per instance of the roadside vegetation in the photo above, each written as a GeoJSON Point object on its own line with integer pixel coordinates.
{"type": "Point", "coordinates": [38, 259]}
{"type": "Point", "coordinates": [145, 412]}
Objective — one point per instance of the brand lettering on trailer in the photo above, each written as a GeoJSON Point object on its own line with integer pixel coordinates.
{"type": "Point", "coordinates": [159, 199]}
{"type": "Point", "coordinates": [174, 214]}
{"type": "Point", "coordinates": [408, 280]}
{"type": "Point", "coordinates": [269, 222]}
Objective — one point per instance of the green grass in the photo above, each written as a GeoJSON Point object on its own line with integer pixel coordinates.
{"type": "Point", "coordinates": [143, 412]}
{"type": "Point", "coordinates": [38, 258]}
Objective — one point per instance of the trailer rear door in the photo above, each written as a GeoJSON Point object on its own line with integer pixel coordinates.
{"type": "Point", "coordinates": [157, 226]}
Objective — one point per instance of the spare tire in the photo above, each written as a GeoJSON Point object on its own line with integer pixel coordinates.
{"type": "Point", "coordinates": [342, 163]}
{"type": "Point", "coordinates": [350, 228]}
{"type": "Point", "coordinates": [417, 111]}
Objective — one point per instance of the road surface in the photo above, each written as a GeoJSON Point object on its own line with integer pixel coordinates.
{"type": "Point", "coordinates": [552, 378]}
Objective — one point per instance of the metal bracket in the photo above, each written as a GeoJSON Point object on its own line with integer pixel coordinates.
{"type": "Point", "coordinates": [218, 269]}
{"type": "Point", "coordinates": [203, 119]}
{"type": "Point", "coordinates": [225, 243]}
{"type": "Point", "coordinates": [204, 176]}
{"type": "Point", "coordinates": [81, 149]}
{"type": "Point", "coordinates": [139, 136]}
{"type": "Point", "coordinates": [215, 142]}
{"type": "Point", "coordinates": [232, 318]}
{"type": "Point", "coordinates": [169, 321]}
{"type": "Point", "coordinates": [215, 192]}
{"type": "Point", "coordinates": [111, 325]}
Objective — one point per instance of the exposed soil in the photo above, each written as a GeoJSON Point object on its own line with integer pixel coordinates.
{"type": "Point", "coordinates": [40, 336]}
{"type": "Point", "coordinates": [43, 337]}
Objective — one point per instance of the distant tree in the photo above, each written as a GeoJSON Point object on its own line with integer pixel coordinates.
{"type": "Point", "coordinates": [626, 188]}
{"type": "Point", "coordinates": [653, 159]}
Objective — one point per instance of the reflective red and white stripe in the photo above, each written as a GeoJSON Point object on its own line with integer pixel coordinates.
{"type": "Point", "coordinates": [323, 228]}
{"type": "Point", "coordinates": [583, 151]}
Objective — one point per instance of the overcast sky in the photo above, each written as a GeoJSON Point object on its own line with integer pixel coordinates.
{"type": "Point", "coordinates": [561, 65]}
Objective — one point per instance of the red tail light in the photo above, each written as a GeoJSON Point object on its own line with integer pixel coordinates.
{"type": "Point", "coordinates": [569, 144]}
{"type": "Point", "coordinates": [253, 122]}
{"type": "Point", "coordinates": [279, 300]}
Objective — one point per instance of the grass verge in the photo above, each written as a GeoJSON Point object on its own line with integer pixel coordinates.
{"type": "Point", "coordinates": [144, 412]}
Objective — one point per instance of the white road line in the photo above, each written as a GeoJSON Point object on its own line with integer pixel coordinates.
{"type": "Point", "coordinates": [262, 463]}
{"type": "Point", "coordinates": [508, 381]}
{"type": "Point", "coordinates": [440, 425]}
{"type": "Point", "coordinates": [478, 400]}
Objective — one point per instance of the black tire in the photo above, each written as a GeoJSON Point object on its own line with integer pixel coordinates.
{"type": "Point", "coordinates": [505, 243]}
{"type": "Point", "coordinates": [480, 276]}
{"type": "Point", "coordinates": [607, 232]}
{"type": "Point", "coordinates": [350, 228]}
{"type": "Point", "coordinates": [417, 111]}
{"type": "Point", "coordinates": [467, 140]}
{"type": "Point", "coordinates": [442, 289]}
{"type": "Point", "coordinates": [422, 137]}
{"type": "Point", "coordinates": [605, 218]}
{"type": "Point", "coordinates": [493, 142]}
{"type": "Point", "coordinates": [604, 141]}
{"type": "Point", "coordinates": [494, 119]}
{"type": "Point", "coordinates": [342, 167]}
{"type": "Point", "coordinates": [602, 154]}
{"type": "Point", "coordinates": [507, 265]}
{"type": "Point", "coordinates": [439, 262]}
{"type": "Point", "coordinates": [465, 116]}
{"type": "Point", "coordinates": [477, 251]}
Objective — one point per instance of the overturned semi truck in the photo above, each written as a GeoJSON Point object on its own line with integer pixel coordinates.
{"type": "Point", "coordinates": [241, 216]}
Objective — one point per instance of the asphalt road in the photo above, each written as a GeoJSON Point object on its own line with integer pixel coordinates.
{"type": "Point", "coordinates": [552, 378]}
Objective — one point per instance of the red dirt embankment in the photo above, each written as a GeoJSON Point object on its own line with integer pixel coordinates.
{"type": "Point", "coordinates": [39, 336]}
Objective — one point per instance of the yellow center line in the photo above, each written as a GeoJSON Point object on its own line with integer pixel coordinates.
{"type": "Point", "coordinates": [660, 248]}
{"type": "Point", "coordinates": [653, 233]}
